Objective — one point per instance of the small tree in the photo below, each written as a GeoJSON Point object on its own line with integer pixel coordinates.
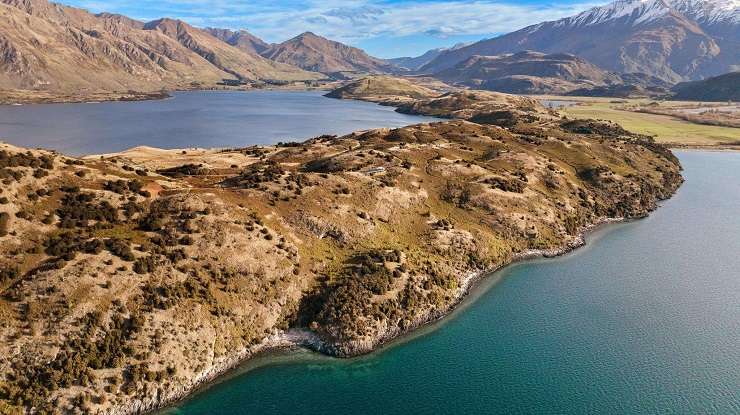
{"type": "Point", "coordinates": [4, 223]}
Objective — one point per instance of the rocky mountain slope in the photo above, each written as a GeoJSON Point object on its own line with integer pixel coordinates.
{"type": "Point", "coordinates": [528, 72]}
{"type": "Point", "coordinates": [128, 280]}
{"type": "Point", "coordinates": [315, 53]}
{"type": "Point", "coordinates": [671, 39]}
{"type": "Point", "coordinates": [51, 47]}
{"type": "Point", "coordinates": [241, 39]}
{"type": "Point", "coordinates": [719, 88]}
{"type": "Point", "coordinates": [224, 56]}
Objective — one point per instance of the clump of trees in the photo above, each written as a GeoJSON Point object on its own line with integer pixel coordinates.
{"type": "Point", "coordinates": [99, 346]}
{"type": "Point", "coordinates": [145, 265]}
{"type": "Point", "coordinates": [184, 170]}
{"type": "Point", "coordinates": [257, 174]}
{"type": "Point", "coordinates": [78, 209]}
{"type": "Point", "coordinates": [506, 184]}
{"type": "Point", "coordinates": [26, 159]}
{"type": "Point", "coordinates": [594, 174]}
{"type": "Point", "coordinates": [123, 186]}
{"type": "Point", "coordinates": [324, 165]}
{"type": "Point", "coordinates": [340, 308]}
{"type": "Point", "coordinates": [594, 127]}
{"type": "Point", "coordinates": [8, 273]}
{"type": "Point", "coordinates": [457, 193]}
{"type": "Point", "coordinates": [68, 244]}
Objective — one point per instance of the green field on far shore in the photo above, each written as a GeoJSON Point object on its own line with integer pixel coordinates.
{"type": "Point", "coordinates": [664, 128]}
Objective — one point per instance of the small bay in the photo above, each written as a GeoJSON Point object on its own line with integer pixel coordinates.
{"type": "Point", "coordinates": [206, 119]}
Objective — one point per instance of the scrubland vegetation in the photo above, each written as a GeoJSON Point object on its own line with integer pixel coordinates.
{"type": "Point", "coordinates": [125, 281]}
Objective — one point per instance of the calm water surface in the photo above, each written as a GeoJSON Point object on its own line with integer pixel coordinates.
{"type": "Point", "coordinates": [192, 119]}
{"type": "Point", "coordinates": [557, 104]}
{"type": "Point", "coordinates": [645, 320]}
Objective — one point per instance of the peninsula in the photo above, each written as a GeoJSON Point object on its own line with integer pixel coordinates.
{"type": "Point", "coordinates": [127, 280]}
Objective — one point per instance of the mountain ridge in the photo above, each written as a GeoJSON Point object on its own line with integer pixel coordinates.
{"type": "Point", "coordinates": [51, 47]}
{"type": "Point", "coordinates": [241, 39]}
{"type": "Point", "coordinates": [647, 36]}
{"type": "Point", "coordinates": [312, 52]}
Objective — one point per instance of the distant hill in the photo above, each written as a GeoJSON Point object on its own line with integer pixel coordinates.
{"type": "Point", "coordinates": [674, 40]}
{"type": "Point", "coordinates": [50, 47]}
{"type": "Point", "coordinates": [720, 88]}
{"type": "Point", "coordinates": [381, 86]}
{"type": "Point", "coordinates": [315, 53]}
{"type": "Point", "coordinates": [528, 73]}
{"type": "Point", "coordinates": [240, 39]}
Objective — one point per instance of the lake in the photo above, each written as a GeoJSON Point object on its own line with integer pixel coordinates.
{"type": "Point", "coordinates": [192, 119]}
{"type": "Point", "coordinates": [643, 320]}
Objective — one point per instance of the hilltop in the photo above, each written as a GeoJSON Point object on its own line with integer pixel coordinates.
{"type": "Point", "coordinates": [381, 88]}
{"type": "Point", "coordinates": [719, 88]}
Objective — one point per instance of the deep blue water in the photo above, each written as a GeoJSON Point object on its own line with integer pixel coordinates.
{"type": "Point", "coordinates": [644, 320]}
{"type": "Point", "coordinates": [192, 119]}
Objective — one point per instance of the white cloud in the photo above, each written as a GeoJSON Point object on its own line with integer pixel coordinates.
{"type": "Point", "coordinates": [347, 20]}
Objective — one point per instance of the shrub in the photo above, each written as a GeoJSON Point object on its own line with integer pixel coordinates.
{"type": "Point", "coordinates": [4, 223]}
{"type": "Point", "coordinates": [145, 265]}
{"type": "Point", "coordinates": [458, 194]}
{"type": "Point", "coordinates": [507, 185]}
{"type": "Point", "coordinates": [7, 274]}
{"type": "Point", "coordinates": [120, 248]}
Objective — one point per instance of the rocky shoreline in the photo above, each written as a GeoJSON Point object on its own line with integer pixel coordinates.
{"type": "Point", "coordinates": [300, 338]}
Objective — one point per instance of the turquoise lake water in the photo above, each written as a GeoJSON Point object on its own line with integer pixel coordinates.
{"type": "Point", "coordinates": [644, 320]}
{"type": "Point", "coordinates": [192, 119]}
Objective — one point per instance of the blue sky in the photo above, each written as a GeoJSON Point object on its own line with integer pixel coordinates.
{"type": "Point", "coordinates": [384, 28]}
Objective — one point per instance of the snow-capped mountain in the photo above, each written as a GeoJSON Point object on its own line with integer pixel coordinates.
{"type": "Point", "coordinates": [708, 12]}
{"type": "Point", "coordinates": [672, 39]}
{"type": "Point", "coordinates": [632, 12]}
{"type": "Point", "coordinates": [638, 12]}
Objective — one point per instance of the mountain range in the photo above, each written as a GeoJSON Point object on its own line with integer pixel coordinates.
{"type": "Point", "coordinates": [623, 47]}
{"type": "Point", "coordinates": [674, 40]}
{"type": "Point", "coordinates": [530, 72]}
{"type": "Point", "coordinates": [54, 47]}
